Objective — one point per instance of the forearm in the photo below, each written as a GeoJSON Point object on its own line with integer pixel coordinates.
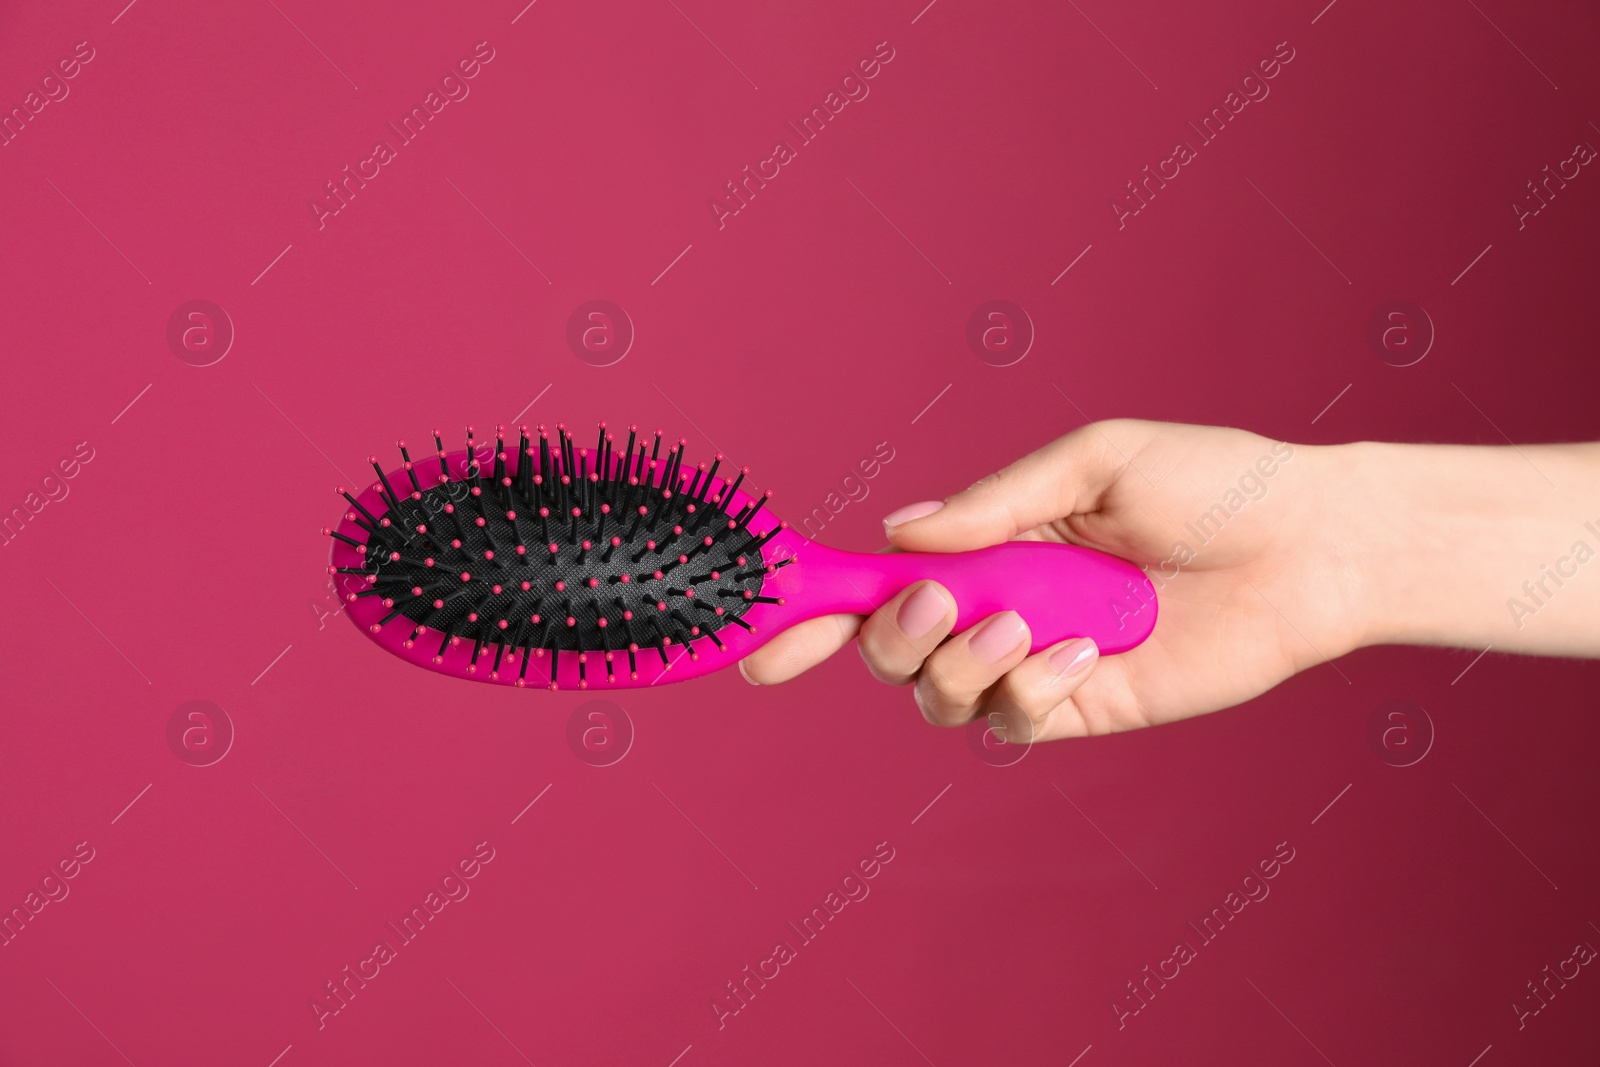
{"type": "Point", "coordinates": [1474, 546]}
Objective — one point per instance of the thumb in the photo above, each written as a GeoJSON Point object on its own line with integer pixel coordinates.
{"type": "Point", "coordinates": [1068, 476]}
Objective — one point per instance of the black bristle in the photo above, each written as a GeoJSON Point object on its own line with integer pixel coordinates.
{"type": "Point", "coordinates": [524, 466]}
{"type": "Point", "coordinates": [416, 486]}
{"type": "Point", "coordinates": [638, 515]}
{"type": "Point", "coordinates": [373, 519]}
{"type": "Point", "coordinates": [387, 491]}
{"type": "Point", "coordinates": [705, 489]}
{"type": "Point", "coordinates": [729, 491]}
{"type": "Point", "coordinates": [670, 474]}
{"type": "Point", "coordinates": [661, 530]}
{"type": "Point", "coordinates": [749, 513]}
{"type": "Point", "coordinates": [756, 543]}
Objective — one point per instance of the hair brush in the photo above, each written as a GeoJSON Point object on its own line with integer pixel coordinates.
{"type": "Point", "coordinates": [627, 567]}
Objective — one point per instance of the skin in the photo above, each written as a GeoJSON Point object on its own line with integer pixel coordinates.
{"type": "Point", "coordinates": [1338, 548]}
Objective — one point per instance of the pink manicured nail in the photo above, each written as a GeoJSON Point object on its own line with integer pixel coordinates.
{"type": "Point", "coordinates": [998, 637]}
{"type": "Point", "coordinates": [1073, 657]}
{"type": "Point", "coordinates": [922, 611]}
{"type": "Point", "coordinates": [911, 511]}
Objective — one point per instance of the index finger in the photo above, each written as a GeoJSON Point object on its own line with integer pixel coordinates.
{"type": "Point", "coordinates": [798, 649]}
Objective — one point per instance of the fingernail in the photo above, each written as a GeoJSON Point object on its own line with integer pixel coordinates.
{"type": "Point", "coordinates": [998, 637]}
{"type": "Point", "coordinates": [746, 674]}
{"type": "Point", "coordinates": [922, 611]}
{"type": "Point", "coordinates": [1073, 657]}
{"type": "Point", "coordinates": [911, 511]}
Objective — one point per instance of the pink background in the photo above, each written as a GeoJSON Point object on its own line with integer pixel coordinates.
{"type": "Point", "coordinates": [185, 563]}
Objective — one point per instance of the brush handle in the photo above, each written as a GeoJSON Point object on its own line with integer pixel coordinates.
{"type": "Point", "coordinates": [1061, 591]}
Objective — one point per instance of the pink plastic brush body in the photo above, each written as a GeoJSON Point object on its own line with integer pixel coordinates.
{"type": "Point", "coordinates": [1061, 591]}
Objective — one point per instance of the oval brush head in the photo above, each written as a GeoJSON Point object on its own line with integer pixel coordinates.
{"type": "Point", "coordinates": [492, 560]}
{"type": "Point", "coordinates": [540, 561]}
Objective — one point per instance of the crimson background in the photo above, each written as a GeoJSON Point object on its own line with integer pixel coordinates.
{"type": "Point", "coordinates": [821, 320]}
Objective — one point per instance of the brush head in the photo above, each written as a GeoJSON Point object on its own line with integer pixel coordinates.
{"type": "Point", "coordinates": [505, 553]}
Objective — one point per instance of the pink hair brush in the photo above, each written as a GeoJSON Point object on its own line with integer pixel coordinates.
{"type": "Point", "coordinates": [627, 568]}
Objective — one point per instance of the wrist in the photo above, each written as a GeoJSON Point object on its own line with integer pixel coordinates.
{"type": "Point", "coordinates": [1393, 538]}
{"type": "Point", "coordinates": [1445, 537]}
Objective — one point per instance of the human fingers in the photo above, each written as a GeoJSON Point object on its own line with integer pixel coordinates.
{"type": "Point", "coordinates": [953, 680]}
{"type": "Point", "coordinates": [1066, 477]}
{"type": "Point", "coordinates": [897, 637]}
{"type": "Point", "coordinates": [1024, 706]}
{"type": "Point", "coordinates": [798, 649]}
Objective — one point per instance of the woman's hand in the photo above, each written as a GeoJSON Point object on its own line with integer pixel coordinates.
{"type": "Point", "coordinates": [1267, 559]}
{"type": "Point", "coordinates": [1241, 536]}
